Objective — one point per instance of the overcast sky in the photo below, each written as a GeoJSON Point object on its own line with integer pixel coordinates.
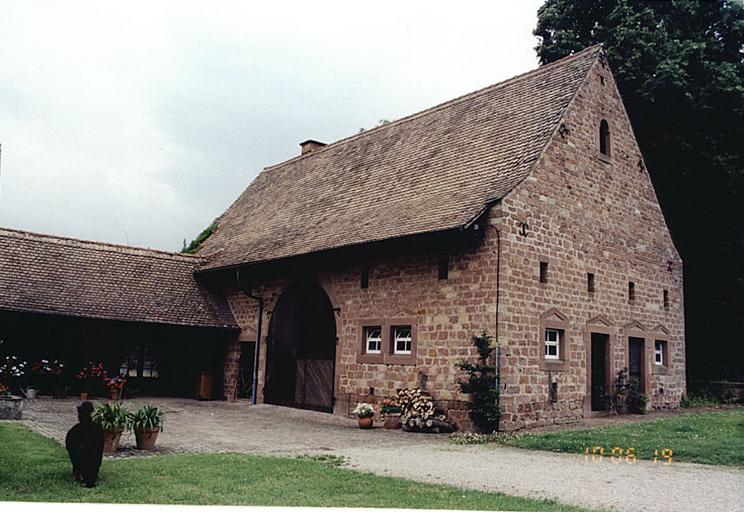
{"type": "Point", "coordinates": [139, 123]}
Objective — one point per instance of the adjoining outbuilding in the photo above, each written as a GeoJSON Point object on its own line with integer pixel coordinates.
{"type": "Point", "coordinates": [139, 311]}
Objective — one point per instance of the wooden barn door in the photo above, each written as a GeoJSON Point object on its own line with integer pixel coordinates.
{"type": "Point", "coordinates": [301, 351]}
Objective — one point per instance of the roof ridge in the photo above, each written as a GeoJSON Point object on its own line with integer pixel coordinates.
{"type": "Point", "coordinates": [105, 246]}
{"type": "Point", "coordinates": [435, 108]}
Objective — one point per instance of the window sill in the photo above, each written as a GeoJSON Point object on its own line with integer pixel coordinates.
{"type": "Point", "coordinates": [660, 370]}
{"type": "Point", "coordinates": [604, 158]}
{"type": "Point", "coordinates": [399, 359]}
{"type": "Point", "coordinates": [555, 365]}
{"type": "Point", "coordinates": [370, 358]}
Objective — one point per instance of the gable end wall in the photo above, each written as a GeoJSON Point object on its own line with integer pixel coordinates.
{"type": "Point", "coordinates": [586, 214]}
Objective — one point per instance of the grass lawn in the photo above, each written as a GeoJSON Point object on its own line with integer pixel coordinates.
{"type": "Point", "coordinates": [706, 438]}
{"type": "Point", "coordinates": [35, 468]}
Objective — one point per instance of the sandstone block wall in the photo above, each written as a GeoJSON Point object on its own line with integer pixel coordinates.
{"type": "Point", "coordinates": [587, 214]}
{"type": "Point", "coordinates": [401, 286]}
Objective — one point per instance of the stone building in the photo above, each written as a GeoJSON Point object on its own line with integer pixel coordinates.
{"type": "Point", "coordinates": [525, 209]}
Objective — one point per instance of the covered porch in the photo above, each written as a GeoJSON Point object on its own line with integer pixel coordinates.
{"type": "Point", "coordinates": [156, 359]}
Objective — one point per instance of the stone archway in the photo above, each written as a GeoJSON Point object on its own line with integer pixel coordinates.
{"type": "Point", "coordinates": [301, 349]}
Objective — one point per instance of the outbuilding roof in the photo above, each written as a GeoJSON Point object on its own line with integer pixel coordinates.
{"type": "Point", "coordinates": [433, 171]}
{"type": "Point", "coordinates": [65, 276]}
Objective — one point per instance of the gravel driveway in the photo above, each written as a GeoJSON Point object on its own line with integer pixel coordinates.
{"type": "Point", "coordinates": [193, 426]}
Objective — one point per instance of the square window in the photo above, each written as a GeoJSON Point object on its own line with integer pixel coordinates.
{"type": "Point", "coordinates": [139, 361]}
{"type": "Point", "coordinates": [373, 339]}
{"type": "Point", "coordinates": [659, 353]}
{"type": "Point", "coordinates": [552, 344]}
{"type": "Point", "coordinates": [402, 339]}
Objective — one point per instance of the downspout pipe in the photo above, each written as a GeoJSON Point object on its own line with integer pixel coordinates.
{"type": "Point", "coordinates": [497, 380]}
{"type": "Point", "coordinates": [259, 300]}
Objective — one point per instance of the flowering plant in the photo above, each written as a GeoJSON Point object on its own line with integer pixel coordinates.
{"type": "Point", "coordinates": [11, 366]}
{"type": "Point", "coordinates": [4, 390]}
{"type": "Point", "coordinates": [115, 383]}
{"type": "Point", "coordinates": [92, 372]}
{"type": "Point", "coordinates": [91, 375]}
{"type": "Point", "coordinates": [390, 406]}
{"type": "Point", "coordinates": [44, 367]}
{"type": "Point", "coordinates": [364, 411]}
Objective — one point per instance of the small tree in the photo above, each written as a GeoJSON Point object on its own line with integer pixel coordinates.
{"type": "Point", "coordinates": [480, 384]}
{"type": "Point", "coordinates": [628, 396]}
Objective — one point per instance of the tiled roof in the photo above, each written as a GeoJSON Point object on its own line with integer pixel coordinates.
{"type": "Point", "coordinates": [64, 276]}
{"type": "Point", "coordinates": [432, 171]}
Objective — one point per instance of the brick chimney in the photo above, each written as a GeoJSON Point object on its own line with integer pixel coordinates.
{"type": "Point", "coordinates": [311, 145]}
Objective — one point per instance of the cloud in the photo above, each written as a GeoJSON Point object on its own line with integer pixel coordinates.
{"type": "Point", "coordinates": [141, 122]}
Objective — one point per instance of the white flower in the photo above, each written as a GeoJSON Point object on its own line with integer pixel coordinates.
{"type": "Point", "coordinates": [364, 410]}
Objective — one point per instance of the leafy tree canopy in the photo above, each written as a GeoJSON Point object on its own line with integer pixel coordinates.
{"type": "Point", "coordinates": [679, 66]}
{"type": "Point", "coordinates": [196, 243]}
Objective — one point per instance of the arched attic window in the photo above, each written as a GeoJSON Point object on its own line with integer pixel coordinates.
{"type": "Point", "coordinates": [604, 138]}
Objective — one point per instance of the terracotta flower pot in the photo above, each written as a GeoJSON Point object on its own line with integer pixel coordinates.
{"type": "Point", "coordinates": [114, 395]}
{"type": "Point", "coordinates": [111, 440]}
{"type": "Point", "coordinates": [11, 407]}
{"type": "Point", "coordinates": [366, 422]}
{"type": "Point", "coordinates": [146, 437]}
{"type": "Point", "coordinates": [392, 421]}
{"type": "Point", "coordinates": [83, 396]}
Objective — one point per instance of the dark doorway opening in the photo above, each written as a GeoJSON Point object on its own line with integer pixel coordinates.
{"type": "Point", "coordinates": [637, 361]}
{"type": "Point", "coordinates": [600, 375]}
{"type": "Point", "coordinates": [301, 349]}
{"type": "Point", "coordinates": [245, 369]}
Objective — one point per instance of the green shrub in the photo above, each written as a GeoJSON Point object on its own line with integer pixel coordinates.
{"type": "Point", "coordinates": [637, 401]}
{"type": "Point", "coordinates": [480, 384]}
{"type": "Point", "coordinates": [147, 417]}
{"type": "Point", "coordinates": [709, 394]}
{"type": "Point", "coordinates": [628, 396]}
{"type": "Point", "coordinates": [112, 416]}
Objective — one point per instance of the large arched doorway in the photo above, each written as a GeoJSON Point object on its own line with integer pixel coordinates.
{"type": "Point", "coordinates": [301, 349]}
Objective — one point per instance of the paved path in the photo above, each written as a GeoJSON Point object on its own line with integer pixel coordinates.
{"type": "Point", "coordinates": [193, 426]}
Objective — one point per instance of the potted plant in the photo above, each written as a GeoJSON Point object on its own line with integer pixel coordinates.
{"type": "Point", "coordinates": [365, 415]}
{"type": "Point", "coordinates": [113, 418]}
{"type": "Point", "coordinates": [390, 410]}
{"type": "Point", "coordinates": [10, 406]}
{"type": "Point", "coordinates": [147, 422]}
{"type": "Point", "coordinates": [115, 386]}
{"type": "Point", "coordinates": [90, 376]}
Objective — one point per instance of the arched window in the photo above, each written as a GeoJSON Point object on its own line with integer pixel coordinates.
{"type": "Point", "coordinates": [604, 138]}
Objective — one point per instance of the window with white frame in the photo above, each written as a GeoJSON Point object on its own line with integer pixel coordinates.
{"type": "Point", "coordinates": [659, 353]}
{"type": "Point", "coordinates": [552, 343]}
{"type": "Point", "coordinates": [402, 339]}
{"type": "Point", "coordinates": [373, 339]}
